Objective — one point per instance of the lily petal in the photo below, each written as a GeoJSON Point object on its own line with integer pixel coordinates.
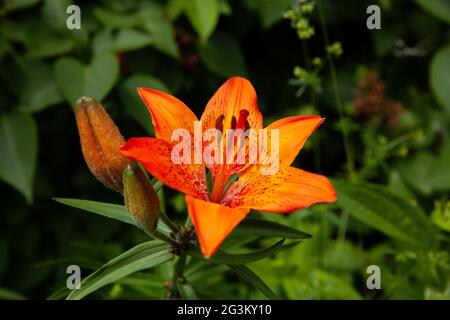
{"type": "Point", "coordinates": [293, 133]}
{"type": "Point", "coordinates": [167, 112]}
{"type": "Point", "coordinates": [155, 155]}
{"type": "Point", "coordinates": [234, 95]}
{"type": "Point", "coordinates": [288, 190]}
{"type": "Point", "coordinates": [213, 222]}
{"type": "Point", "coordinates": [233, 106]}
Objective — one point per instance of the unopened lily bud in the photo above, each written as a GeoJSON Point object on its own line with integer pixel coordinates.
{"type": "Point", "coordinates": [141, 199]}
{"type": "Point", "coordinates": [100, 142]}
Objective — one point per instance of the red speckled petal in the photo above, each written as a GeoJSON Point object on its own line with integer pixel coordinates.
{"type": "Point", "coordinates": [234, 95]}
{"type": "Point", "coordinates": [168, 113]}
{"type": "Point", "coordinates": [213, 222]}
{"type": "Point", "coordinates": [288, 190]}
{"type": "Point", "coordinates": [155, 156]}
{"type": "Point", "coordinates": [234, 105]}
{"type": "Point", "coordinates": [293, 133]}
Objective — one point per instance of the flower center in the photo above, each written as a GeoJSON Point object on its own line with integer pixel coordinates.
{"type": "Point", "coordinates": [223, 172]}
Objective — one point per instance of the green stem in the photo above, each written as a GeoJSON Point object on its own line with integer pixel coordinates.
{"type": "Point", "coordinates": [156, 234]}
{"type": "Point", "coordinates": [337, 93]}
{"type": "Point", "coordinates": [168, 222]}
{"type": "Point", "coordinates": [313, 103]}
{"type": "Point", "coordinates": [178, 268]}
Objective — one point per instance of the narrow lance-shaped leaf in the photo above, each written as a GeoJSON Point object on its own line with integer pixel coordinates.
{"type": "Point", "coordinates": [252, 278]}
{"type": "Point", "coordinates": [385, 211]}
{"type": "Point", "coordinates": [186, 291]}
{"type": "Point", "coordinates": [143, 256]}
{"type": "Point", "coordinates": [221, 257]}
{"type": "Point", "coordinates": [109, 210]}
{"type": "Point", "coordinates": [266, 228]}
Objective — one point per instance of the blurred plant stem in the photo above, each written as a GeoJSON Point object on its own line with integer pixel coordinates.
{"type": "Point", "coordinates": [158, 235]}
{"type": "Point", "coordinates": [178, 268]}
{"type": "Point", "coordinates": [179, 262]}
{"type": "Point", "coordinates": [337, 94]}
{"type": "Point", "coordinates": [172, 226]}
{"type": "Point", "coordinates": [316, 138]}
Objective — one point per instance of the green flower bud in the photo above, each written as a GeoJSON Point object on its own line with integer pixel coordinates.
{"type": "Point", "coordinates": [289, 15]}
{"type": "Point", "coordinates": [141, 199]}
{"type": "Point", "coordinates": [335, 49]}
{"type": "Point", "coordinates": [317, 61]}
{"type": "Point", "coordinates": [307, 8]}
{"type": "Point", "coordinates": [299, 72]}
{"type": "Point", "coordinates": [302, 24]}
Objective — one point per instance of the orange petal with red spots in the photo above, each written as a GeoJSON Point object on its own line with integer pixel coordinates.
{"type": "Point", "coordinates": [167, 112]}
{"type": "Point", "coordinates": [233, 106]}
{"type": "Point", "coordinates": [293, 133]}
{"type": "Point", "coordinates": [288, 190]}
{"type": "Point", "coordinates": [213, 222]}
{"type": "Point", "coordinates": [155, 155]}
{"type": "Point", "coordinates": [234, 95]}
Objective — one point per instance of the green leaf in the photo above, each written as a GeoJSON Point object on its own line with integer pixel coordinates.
{"type": "Point", "coordinates": [265, 228]}
{"type": "Point", "coordinates": [129, 39]}
{"type": "Point", "coordinates": [269, 11]}
{"type": "Point", "coordinates": [440, 76]}
{"type": "Point", "coordinates": [157, 24]}
{"type": "Point", "coordinates": [12, 5]}
{"type": "Point", "coordinates": [109, 210]}
{"type": "Point", "coordinates": [149, 17]}
{"type": "Point", "coordinates": [126, 39]}
{"type": "Point", "coordinates": [143, 256]}
{"type": "Point", "coordinates": [8, 294]}
{"type": "Point", "coordinates": [319, 284]}
{"type": "Point", "coordinates": [4, 46]}
{"type": "Point", "coordinates": [38, 87]}
{"type": "Point", "coordinates": [427, 173]}
{"type": "Point", "coordinates": [174, 8]}
{"type": "Point", "coordinates": [438, 8]}
{"type": "Point", "coordinates": [59, 294]}
{"type": "Point", "coordinates": [385, 211]}
{"type": "Point", "coordinates": [221, 257]}
{"type": "Point", "coordinates": [186, 291]}
{"type": "Point", "coordinates": [384, 41]}
{"type": "Point", "coordinates": [95, 80]}
{"type": "Point", "coordinates": [54, 13]}
{"type": "Point", "coordinates": [18, 147]}
{"type": "Point", "coordinates": [225, 7]}
{"type": "Point", "coordinates": [111, 19]}
{"type": "Point", "coordinates": [441, 215]}
{"type": "Point", "coordinates": [201, 270]}
{"type": "Point", "coordinates": [222, 55]}
{"type": "Point", "coordinates": [203, 15]}
{"type": "Point", "coordinates": [133, 104]}
{"type": "Point", "coordinates": [252, 278]}
{"type": "Point", "coordinates": [43, 42]}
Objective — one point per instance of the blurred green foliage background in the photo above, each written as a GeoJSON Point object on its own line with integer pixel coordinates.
{"type": "Point", "coordinates": [390, 100]}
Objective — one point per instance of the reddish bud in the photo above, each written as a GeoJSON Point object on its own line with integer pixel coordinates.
{"type": "Point", "coordinates": [100, 142]}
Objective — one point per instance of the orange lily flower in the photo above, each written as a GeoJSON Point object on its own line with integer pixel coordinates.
{"type": "Point", "coordinates": [217, 212]}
